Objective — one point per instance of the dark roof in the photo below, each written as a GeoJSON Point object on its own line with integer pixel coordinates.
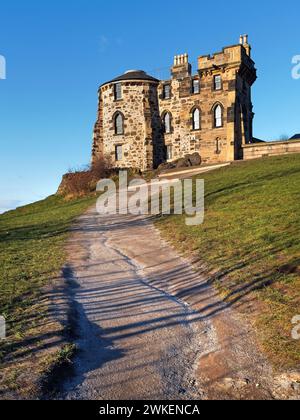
{"type": "Point", "coordinates": [295, 137]}
{"type": "Point", "coordinates": [133, 75]}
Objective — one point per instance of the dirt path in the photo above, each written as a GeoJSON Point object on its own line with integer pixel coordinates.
{"type": "Point", "coordinates": [149, 326]}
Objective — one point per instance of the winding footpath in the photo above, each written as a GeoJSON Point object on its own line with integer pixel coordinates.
{"type": "Point", "coordinates": [149, 326]}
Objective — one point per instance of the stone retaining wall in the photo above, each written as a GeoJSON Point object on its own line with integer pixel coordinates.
{"type": "Point", "coordinates": [259, 150]}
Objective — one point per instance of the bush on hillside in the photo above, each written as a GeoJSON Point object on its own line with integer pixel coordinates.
{"type": "Point", "coordinates": [80, 182]}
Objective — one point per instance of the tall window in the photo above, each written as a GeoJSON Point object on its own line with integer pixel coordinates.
{"type": "Point", "coordinates": [119, 124]}
{"type": "Point", "coordinates": [119, 153]}
{"type": "Point", "coordinates": [167, 123]}
{"type": "Point", "coordinates": [196, 86]}
{"type": "Point", "coordinates": [118, 91]}
{"type": "Point", "coordinates": [218, 116]}
{"type": "Point", "coordinates": [167, 91]}
{"type": "Point", "coordinates": [196, 119]}
{"type": "Point", "coordinates": [218, 82]}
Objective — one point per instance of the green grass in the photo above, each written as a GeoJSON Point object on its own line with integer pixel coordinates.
{"type": "Point", "coordinates": [32, 241]}
{"type": "Point", "coordinates": [250, 241]}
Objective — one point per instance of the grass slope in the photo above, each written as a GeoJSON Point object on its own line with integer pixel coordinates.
{"type": "Point", "coordinates": [32, 253]}
{"type": "Point", "coordinates": [250, 242]}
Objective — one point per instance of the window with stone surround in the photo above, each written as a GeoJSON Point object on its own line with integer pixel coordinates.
{"type": "Point", "coordinates": [196, 118]}
{"type": "Point", "coordinates": [119, 124]}
{"type": "Point", "coordinates": [218, 116]}
{"type": "Point", "coordinates": [167, 91]}
{"type": "Point", "coordinates": [218, 82]}
{"type": "Point", "coordinates": [118, 91]}
{"type": "Point", "coordinates": [167, 123]}
{"type": "Point", "coordinates": [196, 86]}
{"type": "Point", "coordinates": [169, 153]}
{"type": "Point", "coordinates": [119, 153]}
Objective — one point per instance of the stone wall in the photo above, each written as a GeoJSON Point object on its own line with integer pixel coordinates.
{"type": "Point", "coordinates": [259, 150]}
{"type": "Point", "coordinates": [210, 143]}
{"type": "Point", "coordinates": [154, 141]}
{"type": "Point", "coordinates": [213, 144]}
{"type": "Point", "coordinates": [143, 106]}
{"type": "Point", "coordinates": [139, 107]}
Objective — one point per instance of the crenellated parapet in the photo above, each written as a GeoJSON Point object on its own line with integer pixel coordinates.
{"type": "Point", "coordinates": [143, 121]}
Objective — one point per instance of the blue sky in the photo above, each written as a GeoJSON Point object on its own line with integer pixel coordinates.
{"type": "Point", "coordinates": [58, 52]}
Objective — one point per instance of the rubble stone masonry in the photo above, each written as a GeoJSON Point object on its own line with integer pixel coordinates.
{"type": "Point", "coordinates": [224, 79]}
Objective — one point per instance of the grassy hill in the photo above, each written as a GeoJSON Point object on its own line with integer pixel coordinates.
{"type": "Point", "coordinates": [32, 242]}
{"type": "Point", "coordinates": [250, 244]}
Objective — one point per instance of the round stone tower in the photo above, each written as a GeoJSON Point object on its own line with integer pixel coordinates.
{"type": "Point", "coordinates": [128, 128]}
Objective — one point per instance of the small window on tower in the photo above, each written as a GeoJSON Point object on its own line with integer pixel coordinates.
{"type": "Point", "coordinates": [118, 91]}
{"type": "Point", "coordinates": [167, 91]}
{"type": "Point", "coordinates": [218, 82]}
{"type": "Point", "coordinates": [169, 153]}
{"type": "Point", "coordinates": [119, 124]}
{"type": "Point", "coordinates": [119, 153]}
{"type": "Point", "coordinates": [167, 123]}
{"type": "Point", "coordinates": [196, 119]}
{"type": "Point", "coordinates": [196, 86]}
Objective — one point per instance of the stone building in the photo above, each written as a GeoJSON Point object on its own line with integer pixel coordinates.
{"type": "Point", "coordinates": [143, 122]}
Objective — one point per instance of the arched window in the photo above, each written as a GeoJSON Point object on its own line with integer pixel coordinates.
{"type": "Point", "coordinates": [167, 118]}
{"type": "Point", "coordinates": [119, 124]}
{"type": "Point", "coordinates": [218, 116]}
{"type": "Point", "coordinates": [196, 119]}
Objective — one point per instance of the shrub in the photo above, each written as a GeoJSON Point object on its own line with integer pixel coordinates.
{"type": "Point", "coordinates": [78, 182]}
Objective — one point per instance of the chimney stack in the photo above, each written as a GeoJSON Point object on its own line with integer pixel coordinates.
{"type": "Point", "coordinates": [181, 67]}
{"type": "Point", "coordinates": [245, 44]}
{"type": "Point", "coordinates": [180, 60]}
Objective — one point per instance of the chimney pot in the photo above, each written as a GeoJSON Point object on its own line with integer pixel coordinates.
{"type": "Point", "coordinates": [181, 59]}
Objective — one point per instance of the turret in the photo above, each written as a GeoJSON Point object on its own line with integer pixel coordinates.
{"type": "Point", "coordinates": [128, 127]}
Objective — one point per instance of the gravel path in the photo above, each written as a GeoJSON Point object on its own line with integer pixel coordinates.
{"type": "Point", "coordinates": [136, 341]}
{"type": "Point", "coordinates": [149, 326]}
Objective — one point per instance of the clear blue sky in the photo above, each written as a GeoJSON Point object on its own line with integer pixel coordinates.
{"type": "Point", "coordinates": [58, 53]}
